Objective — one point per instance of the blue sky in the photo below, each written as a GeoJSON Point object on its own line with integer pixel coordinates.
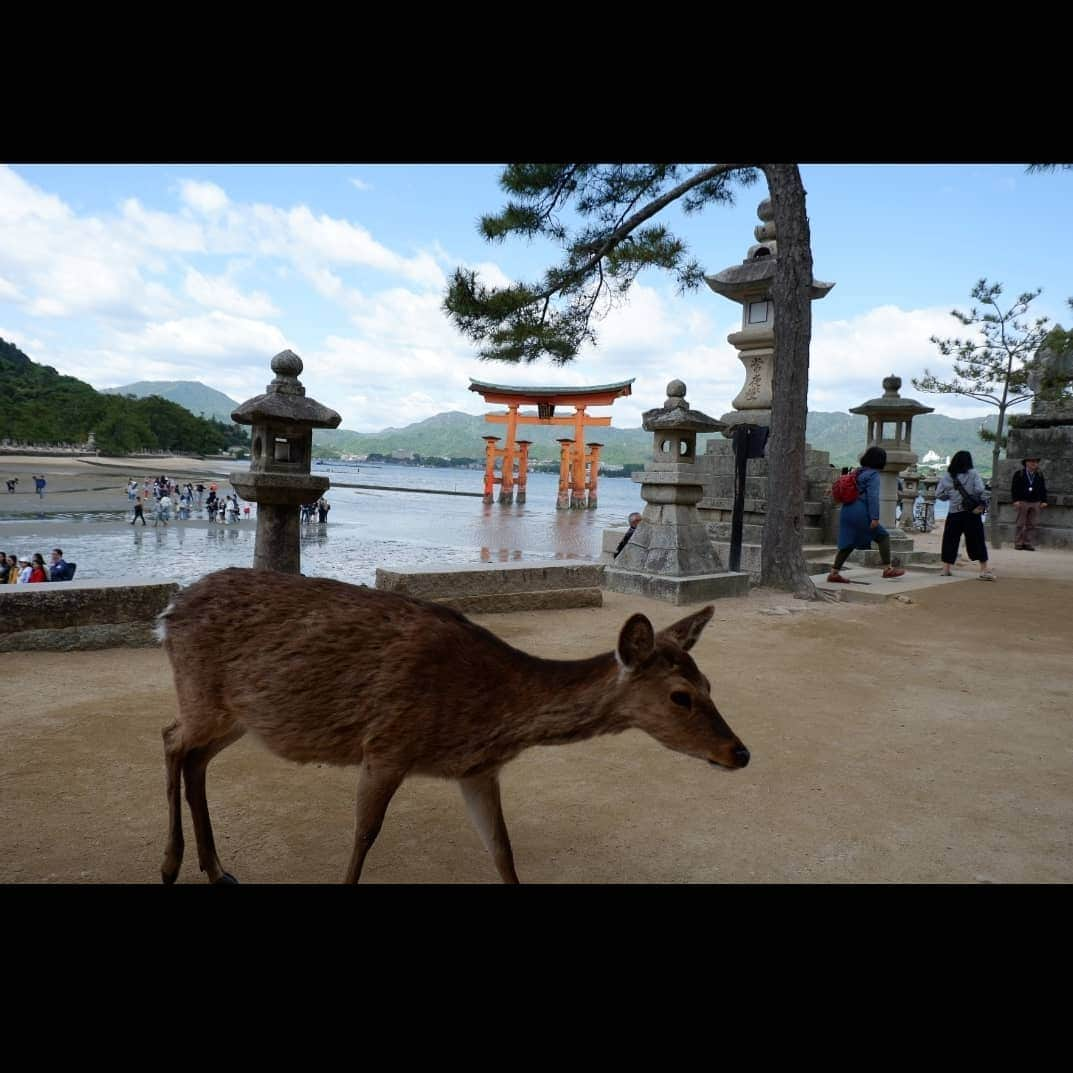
{"type": "Point", "coordinates": [179, 272]}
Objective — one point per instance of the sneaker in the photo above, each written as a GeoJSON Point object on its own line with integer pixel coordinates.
{"type": "Point", "coordinates": [835, 576]}
{"type": "Point", "coordinates": [1018, 547]}
{"type": "Point", "coordinates": [892, 572]}
{"type": "Point", "coordinates": [986, 576]}
{"type": "Point", "coordinates": [1027, 547]}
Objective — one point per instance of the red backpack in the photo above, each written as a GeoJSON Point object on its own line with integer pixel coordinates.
{"type": "Point", "coordinates": [845, 489]}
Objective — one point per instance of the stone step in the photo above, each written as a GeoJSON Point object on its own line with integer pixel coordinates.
{"type": "Point", "coordinates": [751, 504]}
{"type": "Point", "coordinates": [699, 588]}
{"type": "Point", "coordinates": [879, 590]}
{"type": "Point", "coordinates": [491, 579]}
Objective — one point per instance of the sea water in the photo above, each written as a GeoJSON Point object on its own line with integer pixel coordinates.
{"type": "Point", "coordinates": [367, 528]}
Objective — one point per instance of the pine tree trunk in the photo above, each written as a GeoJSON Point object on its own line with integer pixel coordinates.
{"type": "Point", "coordinates": [996, 541]}
{"type": "Point", "coordinates": [783, 559]}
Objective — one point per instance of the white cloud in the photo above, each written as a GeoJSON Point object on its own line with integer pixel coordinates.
{"type": "Point", "coordinates": [217, 336]}
{"type": "Point", "coordinates": [162, 230]}
{"type": "Point", "coordinates": [204, 197]}
{"type": "Point", "coordinates": [8, 291]}
{"type": "Point", "coordinates": [361, 184]}
{"type": "Point", "coordinates": [218, 292]}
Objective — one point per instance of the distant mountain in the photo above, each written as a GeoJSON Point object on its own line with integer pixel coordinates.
{"type": "Point", "coordinates": [458, 435]}
{"type": "Point", "coordinates": [40, 406]}
{"type": "Point", "coordinates": [843, 435]}
{"type": "Point", "coordinates": [194, 396]}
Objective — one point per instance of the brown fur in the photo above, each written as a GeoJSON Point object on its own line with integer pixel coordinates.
{"type": "Point", "coordinates": [324, 671]}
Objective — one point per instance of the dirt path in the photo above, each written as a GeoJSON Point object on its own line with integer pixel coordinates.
{"type": "Point", "coordinates": [927, 742]}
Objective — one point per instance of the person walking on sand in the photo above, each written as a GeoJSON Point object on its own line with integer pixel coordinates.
{"type": "Point", "coordinates": [39, 484]}
{"type": "Point", "coordinates": [858, 524]}
{"type": "Point", "coordinates": [1028, 490]}
{"type": "Point", "coordinates": [964, 489]}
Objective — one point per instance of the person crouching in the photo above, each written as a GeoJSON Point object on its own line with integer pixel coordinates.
{"type": "Point", "coordinates": [858, 525]}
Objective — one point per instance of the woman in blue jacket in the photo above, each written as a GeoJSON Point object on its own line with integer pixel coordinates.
{"type": "Point", "coordinates": [859, 525]}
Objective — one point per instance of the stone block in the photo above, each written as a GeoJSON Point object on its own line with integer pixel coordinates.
{"type": "Point", "coordinates": [492, 579]}
{"type": "Point", "coordinates": [81, 614]}
{"type": "Point", "coordinates": [678, 590]}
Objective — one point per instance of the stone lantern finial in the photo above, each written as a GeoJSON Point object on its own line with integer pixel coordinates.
{"type": "Point", "coordinates": [676, 396]}
{"type": "Point", "coordinates": [287, 366]}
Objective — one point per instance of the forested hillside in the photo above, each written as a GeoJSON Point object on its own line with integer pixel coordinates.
{"type": "Point", "coordinates": [39, 406]}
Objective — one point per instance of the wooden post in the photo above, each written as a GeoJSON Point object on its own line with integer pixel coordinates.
{"type": "Point", "coordinates": [563, 500]}
{"type": "Point", "coordinates": [523, 468]}
{"type": "Point", "coordinates": [594, 472]}
{"type": "Point", "coordinates": [577, 490]}
{"type": "Point", "coordinates": [506, 487]}
{"type": "Point", "coordinates": [489, 468]}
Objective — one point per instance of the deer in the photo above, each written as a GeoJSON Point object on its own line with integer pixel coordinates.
{"type": "Point", "coordinates": [407, 687]}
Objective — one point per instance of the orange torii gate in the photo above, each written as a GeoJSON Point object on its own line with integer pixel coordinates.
{"type": "Point", "coordinates": [573, 457]}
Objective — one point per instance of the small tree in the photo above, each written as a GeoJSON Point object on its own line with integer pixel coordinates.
{"type": "Point", "coordinates": [995, 368]}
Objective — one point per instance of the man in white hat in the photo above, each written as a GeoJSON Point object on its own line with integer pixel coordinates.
{"type": "Point", "coordinates": [25, 569]}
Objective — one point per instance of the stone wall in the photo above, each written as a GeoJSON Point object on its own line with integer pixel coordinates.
{"type": "Point", "coordinates": [81, 614]}
{"type": "Point", "coordinates": [1052, 442]}
{"type": "Point", "coordinates": [716, 508]}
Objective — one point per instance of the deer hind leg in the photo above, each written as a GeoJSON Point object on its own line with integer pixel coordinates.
{"type": "Point", "coordinates": [173, 764]}
{"type": "Point", "coordinates": [194, 764]}
{"type": "Point", "coordinates": [376, 787]}
{"type": "Point", "coordinates": [481, 794]}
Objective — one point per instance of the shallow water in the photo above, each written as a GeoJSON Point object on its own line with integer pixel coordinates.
{"type": "Point", "coordinates": [367, 528]}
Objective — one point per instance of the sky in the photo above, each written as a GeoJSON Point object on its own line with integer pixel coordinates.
{"type": "Point", "coordinates": [120, 273]}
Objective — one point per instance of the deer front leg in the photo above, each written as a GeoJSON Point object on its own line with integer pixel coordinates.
{"type": "Point", "coordinates": [481, 794]}
{"type": "Point", "coordinates": [376, 787]}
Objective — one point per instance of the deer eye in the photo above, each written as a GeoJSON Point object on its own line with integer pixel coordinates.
{"type": "Point", "coordinates": [683, 700]}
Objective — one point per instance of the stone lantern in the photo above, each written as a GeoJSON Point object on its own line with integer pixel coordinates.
{"type": "Point", "coordinates": [749, 284]}
{"type": "Point", "coordinates": [890, 424]}
{"type": "Point", "coordinates": [910, 478]}
{"type": "Point", "coordinates": [279, 479]}
{"type": "Point", "coordinates": [670, 555]}
{"type": "Point", "coordinates": [929, 484]}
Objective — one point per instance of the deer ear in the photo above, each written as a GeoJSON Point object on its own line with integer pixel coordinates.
{"type": "Point", "coordinates": [685, 632]}
{"type": "Point", "coordinates": [636, 641]}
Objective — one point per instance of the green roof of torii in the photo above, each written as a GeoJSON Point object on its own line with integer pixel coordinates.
{"type": "Point", "coordinates": [524, 389]}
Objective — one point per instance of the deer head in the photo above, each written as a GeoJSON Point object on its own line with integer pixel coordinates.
{"type": "Point", "coordinates": [666, 695]}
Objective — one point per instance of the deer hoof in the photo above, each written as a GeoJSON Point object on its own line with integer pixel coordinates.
{"type": "Point", "coordinates": [226, 880]}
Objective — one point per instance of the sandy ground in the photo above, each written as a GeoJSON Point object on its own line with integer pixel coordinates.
{"type": "Point", "coordinates": [926, 742]}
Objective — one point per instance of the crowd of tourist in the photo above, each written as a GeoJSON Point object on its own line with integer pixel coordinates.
{"type": "Point", "coordinates": [171, 500]}
{"type": "Point", "coordinates": [30, 569]}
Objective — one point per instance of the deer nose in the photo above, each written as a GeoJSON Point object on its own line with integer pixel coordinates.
{"type": "Point", "coordinates": [741, 754]}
